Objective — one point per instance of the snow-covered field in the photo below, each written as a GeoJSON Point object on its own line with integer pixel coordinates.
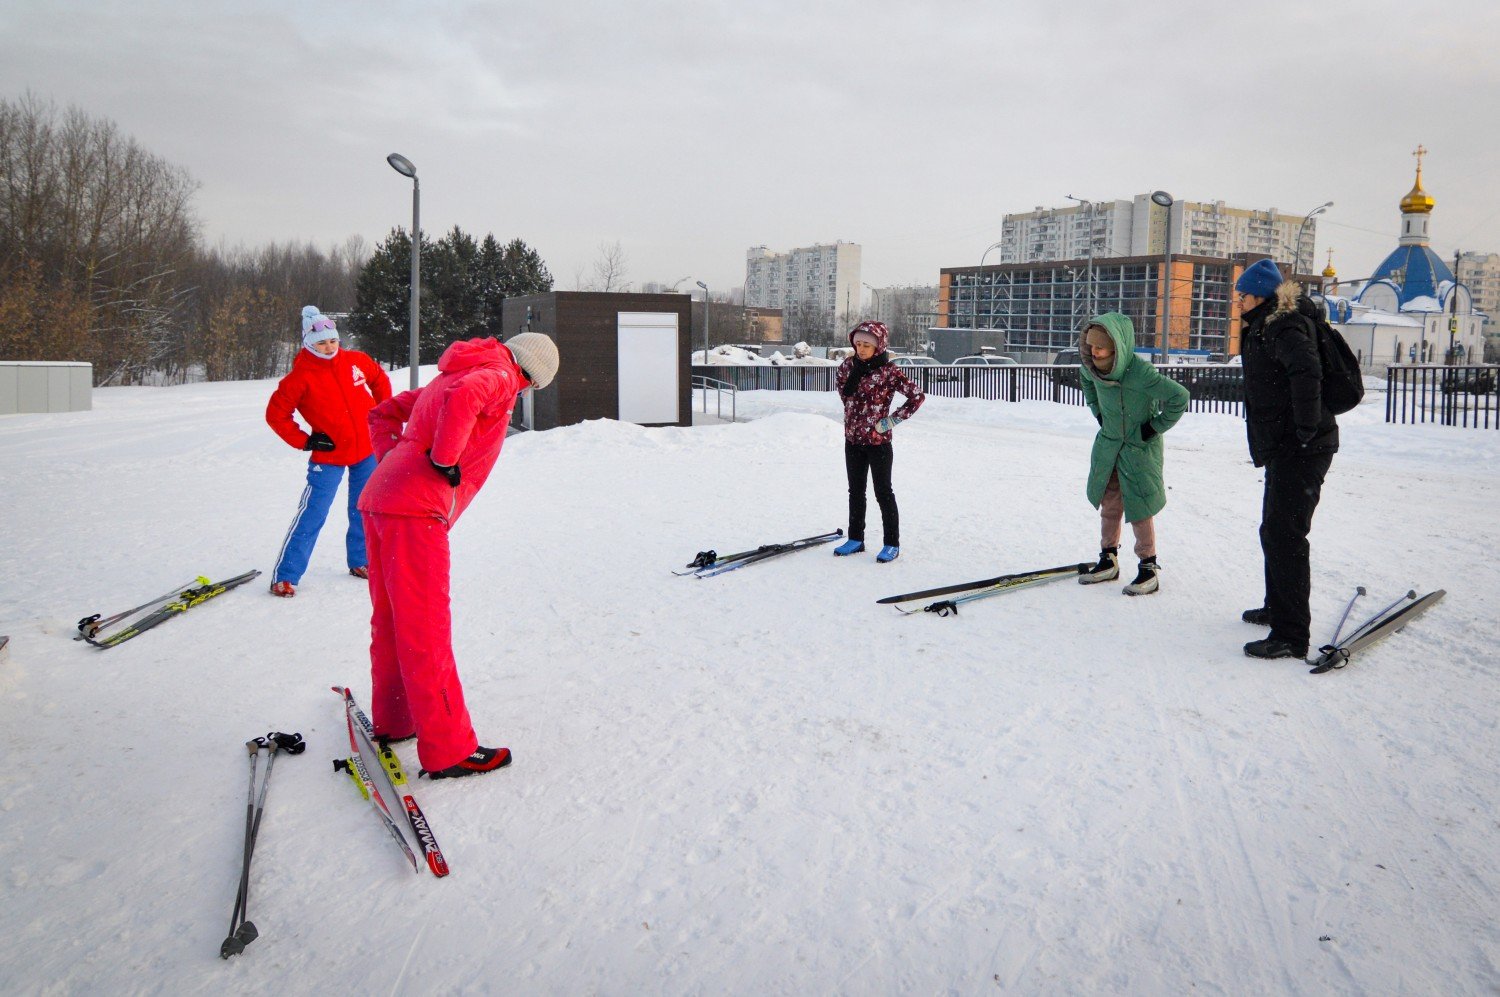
{"type": "Point", "coordinates": [762, 782]}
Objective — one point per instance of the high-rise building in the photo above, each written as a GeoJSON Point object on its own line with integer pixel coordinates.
{"type": "Point", "coordinates": [818, 283]}
{"type": "Point", "coordinates": [1138, 227]}
{"type": "Point", "coordinates": [1481, 272]}
{"type": "Point", "coordinates": [908, 312]}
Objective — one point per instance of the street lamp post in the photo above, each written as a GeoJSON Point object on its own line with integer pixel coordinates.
{"type": "Point", "coordinates": [1090, 278]}
{"type": "Point", "coordinates": [974, 312]}
{"type": "Point", "coordinates": [705, 327]}
{"type": "Point", "coordinates": [1162, 198]}
{"type": "Point", "coordinates": [407, 168]}
{"type": "Point", "coordinates": [1297, 254]}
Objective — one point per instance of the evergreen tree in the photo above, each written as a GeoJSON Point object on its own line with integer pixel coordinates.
{"type": "Point", "coordinates": [464, 285]}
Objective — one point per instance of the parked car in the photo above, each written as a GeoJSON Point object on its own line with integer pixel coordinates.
{"type": "Point", "coordinates": [1067, 363]}
{"type": "Point", "coordinates": [910, 365]}
{"type": "Point", "coordinates": [1475, 381]}
{"type": "Point", "coordinates": [985, 360]}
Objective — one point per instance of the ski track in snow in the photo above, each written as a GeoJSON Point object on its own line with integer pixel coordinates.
{"type": "Point", "coordinates": [761, 782]}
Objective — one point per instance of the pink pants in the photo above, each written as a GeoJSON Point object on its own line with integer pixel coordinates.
{"type": "Point", "coordinates": [1112, 512]}
{"type": "Point", "coordinates": [414, 682]}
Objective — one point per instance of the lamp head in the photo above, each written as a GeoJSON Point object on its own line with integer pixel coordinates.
{"type": "Point", "coordinates": [1162, 198]}
{"type": "Point", "coordinates": [402, 165]}
{"type": "Point", "coordinates": [702, 285]}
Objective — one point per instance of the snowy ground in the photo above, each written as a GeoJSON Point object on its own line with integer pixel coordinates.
{"type": "Point", "coordinates": [764, 782]}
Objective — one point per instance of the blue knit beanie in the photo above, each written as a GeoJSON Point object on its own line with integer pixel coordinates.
{"type": "Point", "coordinates": [1260, 278]}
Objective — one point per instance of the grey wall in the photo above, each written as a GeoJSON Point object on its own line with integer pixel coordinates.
{"type": "Point", "coordinates": [41, 386]}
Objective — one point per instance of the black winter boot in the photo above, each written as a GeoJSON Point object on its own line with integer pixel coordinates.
{"type": "Point", "coordinates": [1259, 617]}
{"type": "Point", "coordinates": [1274, 647]}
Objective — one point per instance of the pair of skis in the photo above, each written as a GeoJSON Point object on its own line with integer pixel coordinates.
{"type": "Point", "coordinates": [156, 611]}
{"type": "Point", "coordinates": [242, 930]}
{"type": "Point", "coordinates": [982, 589]}
{"type": "Point", "coordinates": [362, 739]}
{"type": "Point", "coordinates": [709, 563]}
{"type": "Point", "coordinates": [1391, 619]}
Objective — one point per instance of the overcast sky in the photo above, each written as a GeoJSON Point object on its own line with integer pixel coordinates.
{"type": "Point", "coordinates": [689, 131]}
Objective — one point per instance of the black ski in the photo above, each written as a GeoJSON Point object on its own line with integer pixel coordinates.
{"type": "Point", "coordinates": [766, 553]}
{"type": "Point", "coordinates": [997, 581]}
{"type": "Point", "coordinates": [1374, 630]}
{"type": "Point", "coordinates": [181, 602]}
{"type": "Point", "coordinates": [710, 559]}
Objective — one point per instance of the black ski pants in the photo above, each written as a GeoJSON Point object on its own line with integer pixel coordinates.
{"type": "Point", "coordinates": [1293, 486]}
{"type": "Point", "coordinates": [875, 462]}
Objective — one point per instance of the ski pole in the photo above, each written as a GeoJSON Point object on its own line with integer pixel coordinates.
{"type": "Point", "coordinates": [1374, 621]}
{"type": "Point", "coordinates": [91, 625]}
{"type": "Point", "coordinates": [246, 932]}
{"type": "Point", "coordinates": [232, 945]}
{"type": "Point", "coordinates": [1359, 590]}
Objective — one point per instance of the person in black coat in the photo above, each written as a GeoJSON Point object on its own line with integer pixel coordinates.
{"type": "Point", "coordinates": [1294, 437]}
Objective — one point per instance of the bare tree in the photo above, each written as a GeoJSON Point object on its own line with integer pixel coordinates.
{"type": "Point", "coordinates": [609, 269]}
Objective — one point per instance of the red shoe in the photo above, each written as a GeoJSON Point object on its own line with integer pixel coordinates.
{"type": "Point", "coordinates": [482, 760]}
{"type": "Point", "coordinates": [360, 572]}
{"type": "Point", "coordinates": [284, 589]}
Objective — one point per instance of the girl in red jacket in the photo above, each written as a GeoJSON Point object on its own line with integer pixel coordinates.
{"type": "Point", "coordinates": [333, 390]}
{"type": "Point", "coordinates": [436, 447]}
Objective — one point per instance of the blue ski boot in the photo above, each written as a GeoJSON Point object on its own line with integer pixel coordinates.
{"type": "Point", "coordinates": [849, 547]}
{"type": "Point", "coordinates": [888, 554]}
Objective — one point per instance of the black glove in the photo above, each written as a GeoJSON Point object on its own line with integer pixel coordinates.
{"type": "Point", "coordinates": [449, 471]}
{"type": "Point", "coordinates": [318, 441]}
{"type": "Point", "coordinates": [1147, 432]}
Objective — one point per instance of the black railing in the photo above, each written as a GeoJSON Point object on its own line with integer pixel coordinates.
{"type": "Point", "coordinates": [1447, 396]}
{"type": "Point", "coordinates": [1214, 388]}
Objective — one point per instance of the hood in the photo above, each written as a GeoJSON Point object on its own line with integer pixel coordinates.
{"type": "Point", "coordinates": [467, 353]}
{"type": "Point", "coordinates": [1121, 331]}
{"type": "Point", "coordinates": [1289, 298]}
{"type": "Point", "coordinates": [878, 330]}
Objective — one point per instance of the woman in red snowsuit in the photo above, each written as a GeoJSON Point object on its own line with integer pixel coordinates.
{"type": "Point", "coordinates": [429, 472]}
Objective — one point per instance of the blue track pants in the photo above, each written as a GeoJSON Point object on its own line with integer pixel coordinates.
{"type": "Point", "coordinates": [312, 509]}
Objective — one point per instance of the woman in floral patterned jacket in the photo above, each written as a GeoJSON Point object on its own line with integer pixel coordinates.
{"type": "Point", "coordinates": [867, 382]}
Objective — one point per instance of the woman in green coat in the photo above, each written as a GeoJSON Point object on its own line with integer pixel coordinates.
{"type": "Point", "coordinates": [1134, 404]}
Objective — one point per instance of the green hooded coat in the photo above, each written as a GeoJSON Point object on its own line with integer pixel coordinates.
{"type": "Point", "coordinates": [1126, 399]}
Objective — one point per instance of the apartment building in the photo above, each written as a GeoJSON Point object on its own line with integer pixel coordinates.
{"type": "Point", "coordinates": [1481, 272]}
{"type": "Point", "coordinates": [821, 280]}
{"type": "Point", "coordinates": [908, 312]}
{"type": "Point", "coordinates": [1139, 227]}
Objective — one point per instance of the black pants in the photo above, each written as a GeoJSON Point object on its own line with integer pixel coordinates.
{"type": "Point", "coordinates": [876, 460]}
{"type": "Point", "coordinates": [1293, 486]}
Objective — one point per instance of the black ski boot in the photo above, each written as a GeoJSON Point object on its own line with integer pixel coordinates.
{"type": "Point", "coordinates": [1107, 570]}
{"type": "Point", "coordinates": [1146, 580]}
{"type": "Point", "coordinates": [1259, 617]}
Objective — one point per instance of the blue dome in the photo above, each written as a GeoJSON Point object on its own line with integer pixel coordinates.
{"type": "Point", "coordinates": [1424, 270]}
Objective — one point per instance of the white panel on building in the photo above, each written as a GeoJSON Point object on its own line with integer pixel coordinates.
{"type": "Point", "coordinates": [648, 358]}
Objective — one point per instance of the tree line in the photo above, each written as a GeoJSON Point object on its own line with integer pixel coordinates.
{"type": "Point", "coordinates": [102, 260]}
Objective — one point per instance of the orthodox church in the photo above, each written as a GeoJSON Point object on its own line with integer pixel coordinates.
{"type": "Point", "coordinates": [1410, 310]}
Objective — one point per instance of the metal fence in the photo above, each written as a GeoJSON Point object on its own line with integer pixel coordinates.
{"type": "Point", "coordinates": [1213, 388]}
{"type": "Point", "coordinates": [1446, 396]}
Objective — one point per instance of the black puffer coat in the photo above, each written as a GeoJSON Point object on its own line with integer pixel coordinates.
{"type": "Point", "coordinates": [1284, 413]}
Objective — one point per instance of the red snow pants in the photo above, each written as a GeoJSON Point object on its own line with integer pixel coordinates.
{"type": "Point", "coordinates": [414, 682]}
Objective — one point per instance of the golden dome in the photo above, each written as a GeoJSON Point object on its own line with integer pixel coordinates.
{"type": "Point", "coordinates": [1417, 201]}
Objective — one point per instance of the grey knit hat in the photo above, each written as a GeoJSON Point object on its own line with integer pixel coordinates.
{"type": "Point", "coordinates": [537, 355]}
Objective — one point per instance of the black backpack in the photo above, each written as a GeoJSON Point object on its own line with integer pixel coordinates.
{"type": "Point", "coordinates": [1343, 384]}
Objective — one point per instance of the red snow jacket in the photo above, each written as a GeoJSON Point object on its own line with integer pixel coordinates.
{"type": "Point", "coordinates": [334, 395]}
{"type": "Point", "coordinates": [460, 418]}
